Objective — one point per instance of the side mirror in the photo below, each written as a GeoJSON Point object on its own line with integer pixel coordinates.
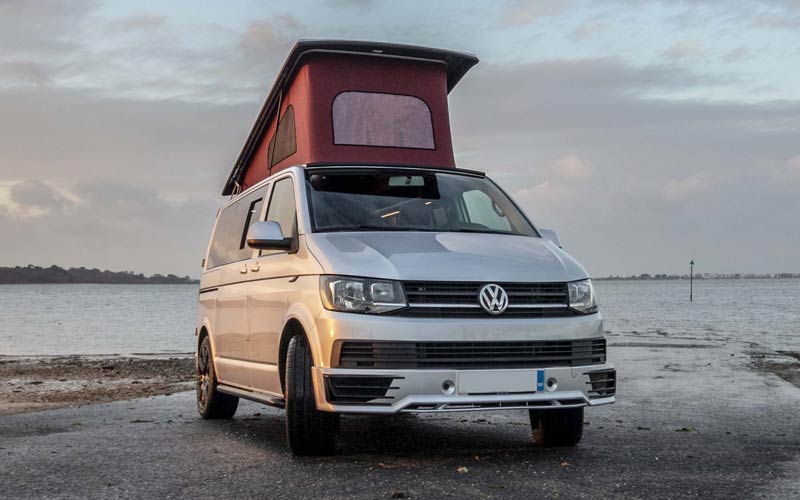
{"type": "Point", "coordinates": [267, 235]}
{"type": "Point", "coordinates": [550, 235]}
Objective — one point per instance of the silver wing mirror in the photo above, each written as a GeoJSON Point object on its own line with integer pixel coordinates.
{"type": "Point", "coordinates": [267, 235]}
{"type": "Point", "coordinates": [550, 235]}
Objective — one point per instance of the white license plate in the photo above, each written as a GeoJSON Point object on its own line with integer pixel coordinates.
{"type": "Point", "coordinates": [490, 382]}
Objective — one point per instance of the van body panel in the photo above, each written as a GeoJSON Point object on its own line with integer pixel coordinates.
{"type": "Point", "coordinates": [347, 326]}
{"type": "Point", "coordinates": [268, 298]}
{"type": "Point", "coordinates": [434, 256]}
{"type": "Point", "coordinates": [247, 305]}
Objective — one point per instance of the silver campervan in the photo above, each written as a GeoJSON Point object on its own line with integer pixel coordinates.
{"type": "Point", "coordinates": [329, 290]}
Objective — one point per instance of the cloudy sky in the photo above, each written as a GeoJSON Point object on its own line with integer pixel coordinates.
{"type": "Point", "coordinates": [645, 133]}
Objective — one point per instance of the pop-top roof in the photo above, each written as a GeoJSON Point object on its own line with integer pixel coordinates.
{"type": "Point", "coordinates": [327, 87]}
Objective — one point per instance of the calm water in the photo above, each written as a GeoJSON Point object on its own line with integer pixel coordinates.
{"type": "Point", "coordinates": [126, 319]}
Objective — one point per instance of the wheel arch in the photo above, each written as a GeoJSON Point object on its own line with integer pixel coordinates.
{"type": "Point", "coordinates": [297, 324]}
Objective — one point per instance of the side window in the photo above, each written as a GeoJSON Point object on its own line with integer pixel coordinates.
{"type": "Point", "coordinates": [284, 141]}
{"type": "Point", "coordinates": [482, 209]}
{"type": "Point", "coordinates": [251, 217]}
{"type": "Point", "coordinates": [228, 243]}
{"type": "Point", "coordinates": [282, 209]}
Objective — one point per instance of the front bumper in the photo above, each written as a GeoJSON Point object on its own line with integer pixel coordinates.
{"type": "Point", "coordinates": [348, 390]}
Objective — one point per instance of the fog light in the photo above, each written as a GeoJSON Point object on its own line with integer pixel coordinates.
{"type": "Point", "coordinates": [552, 384]}
{"type": "Point", "coordinates": [448, 387]}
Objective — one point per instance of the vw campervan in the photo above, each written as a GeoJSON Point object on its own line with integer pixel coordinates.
{"type": "Point", "coordinates": [361, 272]}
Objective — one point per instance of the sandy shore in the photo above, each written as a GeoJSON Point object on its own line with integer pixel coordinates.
{"type": "Point", "coordinates": [785, 364]}
{"type": "Point", "coordinates": [30, 384]}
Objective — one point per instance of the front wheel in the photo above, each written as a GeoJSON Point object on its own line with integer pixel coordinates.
{"type": "Point", "coordinates": [562, 427]}
{"type": "Point", "coordinates": [211, 403]}
{"type": "Point", "coordinates": [309, 431]}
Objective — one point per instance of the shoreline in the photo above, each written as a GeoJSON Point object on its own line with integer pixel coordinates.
{"type": "Point", "coordinates": [34, 383]}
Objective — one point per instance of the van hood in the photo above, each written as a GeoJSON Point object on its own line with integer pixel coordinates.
{"type": "Point", "coordinates": [430, 256]}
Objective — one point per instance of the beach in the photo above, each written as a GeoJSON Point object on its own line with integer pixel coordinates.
{"type": "Point", "coordinates": [694, 418]}
{"type": "Point", "coordinates": [46, 382]}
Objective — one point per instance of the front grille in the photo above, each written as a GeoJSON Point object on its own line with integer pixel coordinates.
{"type": "Point", "coordinates": [603, 383]}
{"type": "Point", "coordinates": [460, 299]}
{"type": "Point", "coordinates": [359, 389]}
{"type": "Point", "coordinates": [469, 355]}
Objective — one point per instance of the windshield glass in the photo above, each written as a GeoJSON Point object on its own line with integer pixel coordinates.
{"type": "Point", "coordinates": [410, 200]}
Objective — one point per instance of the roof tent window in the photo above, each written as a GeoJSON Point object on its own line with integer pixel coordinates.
{"type": "Point", "coordinates": [284, 141]}
{"type": "Point", "coordinates": [388, 120]}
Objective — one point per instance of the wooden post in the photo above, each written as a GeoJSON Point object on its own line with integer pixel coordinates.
{"type": "Point", "coordinates": [691, 280]}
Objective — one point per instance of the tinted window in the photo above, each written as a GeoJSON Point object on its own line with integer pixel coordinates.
{"type": "Point", "coordinates": [228, 243]}
{"type": "Point", "coordinates": [282, 209]}
{"type": "Point", "coordinates": [284, 141]}
{"type": "Point", "coordinates": [408, 200]}
{"type": "Point", "coordinates": [372, 119]}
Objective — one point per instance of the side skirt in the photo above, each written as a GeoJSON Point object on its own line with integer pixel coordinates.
{"type": "Point", "coordinates": [266, 399]}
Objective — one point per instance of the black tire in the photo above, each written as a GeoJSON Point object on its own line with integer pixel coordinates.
{"type": "Point", "coordinates": [211, 404]}
{"type": "Point", "coordinates": [557, 427]}
{"type": "Point", "coordinates": [308, 430]}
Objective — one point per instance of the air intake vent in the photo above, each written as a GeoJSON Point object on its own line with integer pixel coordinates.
{"type": "Point", "coordinates": [359, 390]}
{"type": "Point", "coordinates": [604, 383]}
{"type": "Point", "coordinates": [469, 355]}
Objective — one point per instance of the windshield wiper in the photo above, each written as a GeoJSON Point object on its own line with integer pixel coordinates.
{"type": "Point", "coordinates": [371, 227]}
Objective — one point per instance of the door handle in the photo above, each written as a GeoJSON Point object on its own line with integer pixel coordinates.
{"type": "Point", "coordinates": [243, 270]}
{"type": "Point", "coordinates": [255, 267]}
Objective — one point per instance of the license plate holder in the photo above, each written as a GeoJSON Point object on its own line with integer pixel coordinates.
{"type": "Point", "coordinates": [501, 381]}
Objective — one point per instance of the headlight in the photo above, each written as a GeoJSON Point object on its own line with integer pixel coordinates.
{"type": "Point", "coordinates": [362, 295]}
{"type": "Point", "coordinates": [581, 296]}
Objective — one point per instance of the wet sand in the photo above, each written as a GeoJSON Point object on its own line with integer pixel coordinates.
{"type": "Point", "coordinates": [38, 383]}
{"type": "Point", "coordinates": [785, 364]}
{"type": "Point", "coordinates": [695, 418]}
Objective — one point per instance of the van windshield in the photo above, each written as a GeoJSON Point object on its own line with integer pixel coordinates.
{"type": "Point", "coordinates": [410, 200]}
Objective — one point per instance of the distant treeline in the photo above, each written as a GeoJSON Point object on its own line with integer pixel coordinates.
{"type": "Point", "coordinates": [55, 274]}
{"type": "Point", "coordinates": [703, 276]}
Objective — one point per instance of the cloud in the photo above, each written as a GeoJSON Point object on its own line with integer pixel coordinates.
{"type": "Point", "coordinates": [525, 12]}
{"type": "Point", "coordinates": [737, 55]}
{"type": "Point", "coordinates": [271, 38]}
{"type": "Point", "coordinates": [684, 49]}
{"type": "Point", "coordinates": [587, 30]}
{"type": "Point", "coordinates": [355, 4]}
{"type": "Point", "coordinates": [23, 72]}
{"type": "Point", "coordinates": [570, 168]}
{"type": "Point", "coordinates": [144, 22]}
{"type": "Point", "coordinates": [789, 172]}
{"type": "Point", "coordinates": [688, 189]}
{"type": "Point", "coordinates": [116, 133]}
{"type": "Point", "coordinates": [667, 176]}
{"type": "Point", "coordinates": [114, 226]}
{"type": "Point", "coordinates": [36, 196]}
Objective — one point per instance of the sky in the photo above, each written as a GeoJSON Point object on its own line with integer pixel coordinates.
{"type": "Point", "coordinates": [646, 133]}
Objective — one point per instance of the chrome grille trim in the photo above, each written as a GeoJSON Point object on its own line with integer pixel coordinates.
{"type": "Point", "coordinates": [460, 298]}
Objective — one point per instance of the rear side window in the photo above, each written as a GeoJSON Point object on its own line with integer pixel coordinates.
{"type": "Point", "coordinates": [282, 209]}
{"type": "Point", "coordinates": [229, 241]}
{"type": "Point", "coordinates": [374, 119]}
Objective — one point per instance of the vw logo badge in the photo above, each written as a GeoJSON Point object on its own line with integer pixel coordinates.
{"type": "Point", "coordinates": [493, 299]}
